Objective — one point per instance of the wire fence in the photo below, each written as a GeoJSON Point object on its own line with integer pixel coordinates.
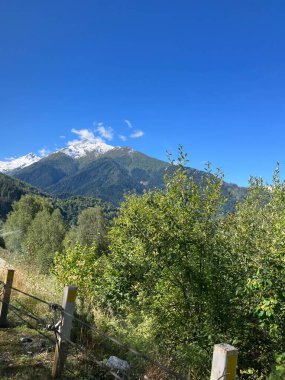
{"type": "Point", "coordinates": [128, 348]}
{"type": "Point", "coordinates": [54, 323]}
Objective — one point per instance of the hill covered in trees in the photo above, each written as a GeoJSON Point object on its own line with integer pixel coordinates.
{"type": "Point", "coordinates": [107, 175]}
{"type": "Point", "coordinates": [11, 190]}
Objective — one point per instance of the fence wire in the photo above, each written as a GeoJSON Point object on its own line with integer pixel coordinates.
{"type": "Point", "coordinates": [128, 348]}
{"type": "Point", "coordinates": [54, 307]}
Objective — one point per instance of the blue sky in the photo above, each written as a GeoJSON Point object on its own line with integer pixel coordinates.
{"type": "Point", "coordinates": [209, 75]}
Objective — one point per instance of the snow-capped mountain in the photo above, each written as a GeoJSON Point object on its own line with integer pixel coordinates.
{"type": "Point", "coordinates": [75, 149]}
{"type": "Point", "coordinates": [78, 149]}
{"type": "Point", "coordinates": [91, 168]}
{"type": "Point", "coordinates": [18, 163]}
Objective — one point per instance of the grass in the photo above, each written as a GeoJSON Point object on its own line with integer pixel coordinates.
{"type": "Point", "coordinates": [27, 278]}
{"type": "Point", "coordinates": [19, 361]}
{"type": "Point", "coordinates": [34, 361]}
{"type": "Point", "coordinates": [24, 361]}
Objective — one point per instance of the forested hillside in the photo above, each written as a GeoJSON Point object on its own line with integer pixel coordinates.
{"type": "Point", "coordinates": [12, 190]}
{"type": "Point", "coordinates": [108, 176]}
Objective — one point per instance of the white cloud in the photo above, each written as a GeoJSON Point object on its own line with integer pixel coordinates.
{"type": "Point", "coordinates": [84, 134]}
{"type": "Point", "coordinates": [44, 152]}
{"type": "Point", "coordinates": [105, 132]}
{"type": "Point", "coordinates": [122, 137]}
{"type": "Point", "coordinates": [62, 137]}
{"type": "Point", "coordinates": [136, 134]}
{"type": "Point", "coordinates": [129, 124]}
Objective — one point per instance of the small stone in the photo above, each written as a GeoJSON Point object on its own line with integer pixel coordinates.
{"type": "Point", "coordinates": [118, 364]}
{"type": "Point", "coordinates": [26, 339]}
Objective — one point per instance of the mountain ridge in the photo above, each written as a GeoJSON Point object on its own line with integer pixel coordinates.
{"type": "Point", "coordinates": [75, 149]}
{"type": "Point", "coordinates": [105, 172]}
{"type": "Point", "coordinates": [18, 163]}
{"type": "Point", "coordinates": [95, 169]}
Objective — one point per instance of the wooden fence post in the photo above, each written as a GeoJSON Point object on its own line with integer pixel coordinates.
{"type": "Point", "coordinates": [68, 304]}
{"type": "Point", "coordinates": [224, 362]}
{"type": "Point", "coordinates": [4, 306]}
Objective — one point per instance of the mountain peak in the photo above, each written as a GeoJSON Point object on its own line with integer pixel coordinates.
{"type": "Point", "coordinates": [78, 149]}
{"type": "Point", "coordinates": [75, 149]}
{"type": "Point", "coordinates": [18, 163]}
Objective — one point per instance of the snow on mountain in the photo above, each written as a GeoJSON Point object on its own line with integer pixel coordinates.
{"type": "Point", "coordinates": [75, 149]}
{"type": "Point", "coordinates": [18, 163]}
{"type": "Point", "coordinates": [80, 148]}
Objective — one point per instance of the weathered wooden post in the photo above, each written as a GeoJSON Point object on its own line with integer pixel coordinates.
{"type": "Point", "coordinates": [224, 362]}
{"type": "Point", "coordinates": [68, 305]}
{"type": "Point", "coordinates": [4, 306]}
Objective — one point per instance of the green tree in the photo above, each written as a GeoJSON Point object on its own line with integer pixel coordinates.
{"type": "Point", "coordinates": [2, 241]}
{"type": "Point", "coordinates": [44, 238]}
{"type": "Point", "coordinates": [166, 269]}
{"type": "Point", "coordinates": [77, 266]}
{"type": "Point", "coordinates": [255, 235]}
{"type": "Point", "coordinates": [278, 372]}
{"type": "Point", "coordinates": [90, 230]}
{"type": "Point", "coordinates": [179, 276]}
{"type": "Point", "coordinates": [19, 220]}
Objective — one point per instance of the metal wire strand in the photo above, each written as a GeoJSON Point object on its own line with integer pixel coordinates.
{"type": "Point", "coordinates": [91, 356]}
{"type": "Point", "coordinates": [30, 295]}
{"type": "Point", "coordinates": [33, 327]}
{"type": "Point", "coordinates": [56, 307]}
{"type": "Point", "coordinates": [29, 313]}
{"type": "Point", "coordinates": [25, 312]}
{"type": "Point", "coordinates": [128, 348]}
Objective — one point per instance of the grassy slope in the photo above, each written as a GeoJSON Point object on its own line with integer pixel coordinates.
{"type": "Point", "coordinates": [18, 361]}
{"type": "Point", "coordinates": [34, 361]}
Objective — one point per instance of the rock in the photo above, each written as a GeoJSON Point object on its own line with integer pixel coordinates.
{"type": "Point", "coordinates": [26, 339]}
{"type": "Point", "coordinates": [118, 364]}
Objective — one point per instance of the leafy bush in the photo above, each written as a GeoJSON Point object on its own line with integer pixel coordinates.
{"type": "Point", "coordinates": [180, 276]}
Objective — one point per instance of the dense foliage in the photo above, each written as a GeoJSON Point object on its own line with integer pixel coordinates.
{"type": "Point", "coordinates": [89, 231]}
{"type": "Point", "coordinates": [44, 238]}
{"type": "Point", "coordinates": [11, 190]}
{"type": "Point", "coordinates": [180, 276]}
{"type": "Point", "coordinates": [34, 231]}
{"type": "Point", "coordinates": [72, 207]}
{"type": "Point", "coordinates": [172, 273]}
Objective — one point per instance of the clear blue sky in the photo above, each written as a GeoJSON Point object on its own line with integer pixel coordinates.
{"type": "Point", "coordinates": [209, 75]}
